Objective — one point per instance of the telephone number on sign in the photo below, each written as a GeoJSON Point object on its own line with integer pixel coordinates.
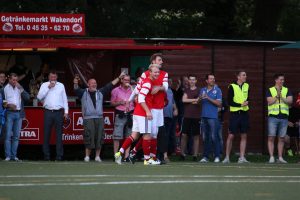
{"type": "Point", "coordinates": [47, 28]}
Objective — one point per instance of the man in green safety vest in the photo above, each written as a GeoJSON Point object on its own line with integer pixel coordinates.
{"type": "Point", "coordinates": [238, 100]}
{"type": "Point", "coordinates": [279, 99]}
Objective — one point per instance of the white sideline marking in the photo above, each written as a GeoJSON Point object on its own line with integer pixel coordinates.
{"type": "Point", "coordinates": [146, 182]}
{"type": "Point", "coordinates": [141, 176]}
{"type": "Point", "coordinates": [206, 165]}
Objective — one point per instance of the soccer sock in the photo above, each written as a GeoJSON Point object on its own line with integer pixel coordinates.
{"type": "Point", "coordinates": [146, 148]}
{"type": "Point", "coordinates": [138, 145]}
{"type": "Point", "coordinates": [126, 144]}
{"type": "Point", "coordinates": [153, 148]}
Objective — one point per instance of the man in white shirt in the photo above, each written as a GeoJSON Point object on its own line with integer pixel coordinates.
{"type": "Point", "coordinates": [12, 92]}
{"type": "Point", "coordinates": [55, 103]}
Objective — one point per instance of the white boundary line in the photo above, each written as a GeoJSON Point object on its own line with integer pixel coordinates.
{"type": "Point", "coordinates": [145, 182]}
{"type": "Point", "coordinates": [142, 176]}
{"type": "Point", "coordinates": [290, 166]}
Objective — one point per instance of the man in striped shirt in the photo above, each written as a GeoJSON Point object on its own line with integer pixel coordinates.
{"type": "Point", "coordinates": [143, 119]}
{"type": "Point", "coordinates": [160, 86]}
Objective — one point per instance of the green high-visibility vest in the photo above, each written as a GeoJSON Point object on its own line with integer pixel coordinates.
{"type": "Point", "coordinates": [278, 106]}
{"type": "Point", "coordinates": [240, 96]}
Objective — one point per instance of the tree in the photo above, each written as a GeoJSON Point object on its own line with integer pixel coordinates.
{"type": "Point", "coordinates": [224, 19]}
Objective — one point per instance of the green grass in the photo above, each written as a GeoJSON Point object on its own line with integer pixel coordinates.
{"type": "Point", "coordinates": [177, 180]}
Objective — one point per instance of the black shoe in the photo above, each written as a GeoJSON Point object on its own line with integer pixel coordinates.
{"type": "Point", "coordinates": [132, 157]}
{"type": "Point", "coordinates": [163, 162]}
{"type": "Point", "coordinates": [46, 159]}
{"type": "Point", "coordinates": [195, 159]}
{"type": "Point", "coordinates": [126, 160]}
{"type": "Point", "coordinates": [59, 159]}
{"type": "Point", "coordinates": [182, 157]}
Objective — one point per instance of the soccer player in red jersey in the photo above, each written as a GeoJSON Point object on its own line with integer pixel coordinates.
{"type": "Point", "coordinates": [143, 119]}
{"type": "Point", "coordinates": [160, 86]}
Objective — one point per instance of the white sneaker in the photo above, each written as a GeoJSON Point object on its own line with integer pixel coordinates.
{"type": "Point", "coordinates": [217, 160]}
{"type": "Point", "coordinates": [204, 160]}
{"type": "Point", "coordinates": [281, 160]}
{"type": "Point", "coordinates": [98, 159]}
{"type": "Point", "coordinates": [7, 159]}
{"type": "Point", "coordinates": [16, 159]}
{"type": "Point", "coordinates": [118, 158]}
{"type": "Point", "coordinates": [226, 161]}
{"type": "Point", "coordinates": [242, 160]}
{"type": "Point", "coordinates": [146, 162]}
{"type": "Point", "coordinates": [87, 159]}
{"type": "Point", "coordinates": [153, 162]}
{"type": "Point", "coordinates": [272, 160]}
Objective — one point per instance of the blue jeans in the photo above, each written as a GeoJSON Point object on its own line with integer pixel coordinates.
{"type": "Point", "coordinates": [13, 127]}
{"type": "Point", "coordinates": [277, 127]}
{"type": "Point", "coordinates": [210, 128]}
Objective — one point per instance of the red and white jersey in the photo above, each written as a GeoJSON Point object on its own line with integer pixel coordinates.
{"type": "Point", "coordinates": [158, 99]}
{"type": "Point", "coordinates": [144, 95]}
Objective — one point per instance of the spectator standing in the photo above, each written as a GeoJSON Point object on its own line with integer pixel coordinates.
{"type": "Point", "coordinates": [13, 92]}
{"type": "Point", "coordinates": [56, 108]}
{"type": "Point", "coordinates": [279, 99]}
{"type": "Point", "coordinates": [238, 100]}
{"type": "Point", "coordinates": [211, 98]}
{"type": "Point", "coordinates": [123, 119]}
{"type": "Point", "coordinates": [170, 111]}
{"type": "Point", "coordinates": [92, 112]}
{"type": "Point", "coordinates": [191, 120]}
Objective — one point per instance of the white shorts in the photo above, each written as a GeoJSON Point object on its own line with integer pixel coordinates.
{"type": "Point", "coordinates": [158, 117]}
{"type": "Point", "coordinates": [158, 121]}
{"type": "Point", "coordinates": [141, 124]}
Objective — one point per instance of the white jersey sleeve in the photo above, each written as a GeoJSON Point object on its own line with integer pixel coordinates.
{"type": "Point", "coordinates": [145, 89]}
{"type": "Point", "coordinates": [166, 82]}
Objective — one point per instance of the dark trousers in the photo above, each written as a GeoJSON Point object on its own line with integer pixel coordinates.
{"type": "Point", "coordinates": [170, 125]}
{"type": "Point", "coordinates": [162, 144]}
{"type": "Point", "coordinates": [53, 118]}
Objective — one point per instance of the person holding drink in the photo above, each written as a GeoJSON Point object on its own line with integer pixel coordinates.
{"type": "Point", "coordinates": [55, 103]}
{"type": "Point", "coordinates": [123, 111]}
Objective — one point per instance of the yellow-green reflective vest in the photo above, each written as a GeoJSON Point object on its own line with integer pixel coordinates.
{"type": "Point", "coordinates": [278, 106]}
{"type": "Point", "coordinates": [240, 96]}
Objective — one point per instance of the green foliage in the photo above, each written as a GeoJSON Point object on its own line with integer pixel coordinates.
{"type": "Point", "coordinates": [228, 19]}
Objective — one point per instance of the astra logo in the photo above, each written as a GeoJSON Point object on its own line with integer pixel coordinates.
{"type": "Point", "coordinates": [78, 120]}
{"type": "Point", "coordinates": [29, 134]}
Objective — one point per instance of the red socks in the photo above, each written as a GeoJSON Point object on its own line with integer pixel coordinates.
{"type": "Point", "coordinates": [127, 143]}
{"type": "Point", "coordinates": [146, 148]}
{"type": "Point", "coordinates": [153, 148]}
{"type": "Point", "coordinates": [138, 145]}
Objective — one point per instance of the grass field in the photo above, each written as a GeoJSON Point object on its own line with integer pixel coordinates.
{"type": "Point", "coordinates": [177, 180]}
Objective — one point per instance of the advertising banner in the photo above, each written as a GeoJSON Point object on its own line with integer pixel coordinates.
{"type": "Point", "coordinates": [42, 24]}
{"type": "Point", "coordinates": [32, 131]}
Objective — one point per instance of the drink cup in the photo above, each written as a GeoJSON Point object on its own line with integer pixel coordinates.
{"type": "Point", "coordinates": [4, 104]}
